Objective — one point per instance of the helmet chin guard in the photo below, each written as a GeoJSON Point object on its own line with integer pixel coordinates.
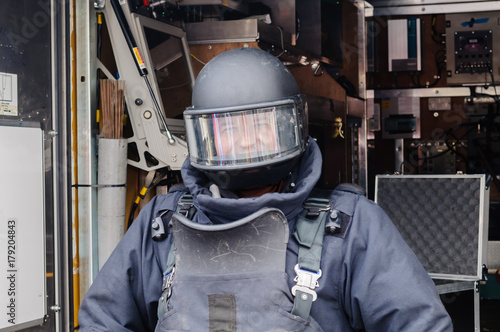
{"type": "Point", "coordinates": [248, 124]}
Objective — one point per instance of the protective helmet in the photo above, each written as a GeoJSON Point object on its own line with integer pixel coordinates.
{"type": "Point", "coordinates": [247, 126]}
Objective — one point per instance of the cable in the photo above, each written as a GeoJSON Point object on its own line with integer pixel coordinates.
{"type": "Point", "coordinates": [152, 180]}
{"type": "Point", "coordinates": [451, 147]}
{"type": "Point", "coordinates": [282, 42]}
{"type": "Point", "coordinates": [98, 76]}
{"type": "Point", "coordinates": [434, 33]}
{"type": "Point", "coordinates": [439, 58]}
{"type": "Point", "coordinates": [395, 74]}
{"type": "Point", "coordinates": [440, 61]}
{"type": "Point", "coordinates": [493, 84]}
{"type": "Point", "coordinates": [140, 196]}
{"type": "Point", "coordinates": [99, 35]}
{"type": "Point", "coordinates": [175, 86]}
{"type": "Point", "coordinates": [203, 63]}
{"type": "Point", "coordinates": [489, 167]}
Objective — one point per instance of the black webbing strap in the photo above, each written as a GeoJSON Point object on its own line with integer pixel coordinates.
{"type": "Point", "coordinates": [309, 233]}
{"type": "Point", "coordinates": [184, 207]}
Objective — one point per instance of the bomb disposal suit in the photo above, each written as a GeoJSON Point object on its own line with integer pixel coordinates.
{"type": "Point", "coordinates": [248, 245]}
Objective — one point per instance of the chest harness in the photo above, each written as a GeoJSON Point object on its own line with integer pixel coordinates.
{"type": "Point", "coordinates": [317, 219]}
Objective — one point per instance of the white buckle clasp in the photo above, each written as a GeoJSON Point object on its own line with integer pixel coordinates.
{"type": "Point", "coordinates": [306, 281]}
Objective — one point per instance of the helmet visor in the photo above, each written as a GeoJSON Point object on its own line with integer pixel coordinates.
{"type": "Point", "coordinates": [244, 137]}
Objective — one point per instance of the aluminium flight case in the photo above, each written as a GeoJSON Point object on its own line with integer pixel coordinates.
{"type": "Point", "coordinates": [444, 219]}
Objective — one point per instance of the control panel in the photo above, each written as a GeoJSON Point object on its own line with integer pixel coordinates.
{"type": "Point", "coordinates": [473, 48]}
{"type": "Point", "coordinates": [473, 51]}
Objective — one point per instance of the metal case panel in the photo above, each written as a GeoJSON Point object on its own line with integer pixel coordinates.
{"type": "Point", "coordinates": [443, 218]}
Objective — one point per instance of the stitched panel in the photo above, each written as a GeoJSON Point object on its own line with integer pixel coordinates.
{"type": "Point", "coordinates": [222, 312]}
{"type": "Point", "coordinates": [438, 218]}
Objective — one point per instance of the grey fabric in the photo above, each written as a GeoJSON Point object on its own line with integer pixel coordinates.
{"type": "Point", "coordinates": [371, 279]}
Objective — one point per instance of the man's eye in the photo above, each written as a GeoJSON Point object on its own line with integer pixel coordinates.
{"type": "Point", "coordinates": [226, 130]}
{"type": "Point", "coordinates": [263, 126]}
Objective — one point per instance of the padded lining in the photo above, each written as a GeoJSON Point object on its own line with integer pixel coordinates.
{"type": "Point", "coordinates": [438, 218]}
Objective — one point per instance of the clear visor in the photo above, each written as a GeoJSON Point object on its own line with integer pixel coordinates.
{"type": "Point", "coordinates": [237, 138]}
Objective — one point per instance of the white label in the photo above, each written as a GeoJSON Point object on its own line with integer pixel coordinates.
{"type": "Point", "coordinates": [8, 94]}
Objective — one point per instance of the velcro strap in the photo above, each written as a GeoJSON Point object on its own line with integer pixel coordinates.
{"type": "Point", "coordinates": [302, 304]}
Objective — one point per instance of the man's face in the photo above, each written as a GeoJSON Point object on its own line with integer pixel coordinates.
{"type": "Point", "coordinates": [246, 135]}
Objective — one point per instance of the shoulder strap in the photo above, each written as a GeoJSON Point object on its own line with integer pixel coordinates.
{"type": "Point", "coordinates": [317, 218]}
{"type": "Point", "coordinates": [185, 207]}
{"type": "Point", "coordinates": [309, 233]}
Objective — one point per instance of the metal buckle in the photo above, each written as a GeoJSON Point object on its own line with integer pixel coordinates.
{"type": "Point", "coordinates": [306, 281]}
{"type": "Point", "coordinates": [315, 206]}
{"type": "Point", "coordinates": [167, 282]}
{"type": "Point", "coordinates": [184, 205]}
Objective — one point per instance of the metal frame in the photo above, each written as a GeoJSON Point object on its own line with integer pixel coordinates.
{"type": "Point", "coordinates": [171, 30]}
{"type": "Point", "coordinates": [212, 32]}
{"type": "Point", "coordinates": [416, 7]}
{"type": "Point", "coordinates": [84, 158]}
{"type": "Point", "coordinates": [60, 134]}
{"type": "Point", "coordinates": [362, 167]}
{"type": "Point", "coordinates": [148, 134]}
{"type": "Point", "coordinates": [431, 93]}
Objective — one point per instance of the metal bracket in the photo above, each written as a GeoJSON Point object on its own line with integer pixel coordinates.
{"type": "Point", "coordinates": [146, 116]}
{"type": "Point", "coordinates": [99, 4]}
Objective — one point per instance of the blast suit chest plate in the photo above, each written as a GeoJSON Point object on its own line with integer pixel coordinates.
{"type": "Point", "coordinates": [256, 243]}
{"type": "Point", "coordinates": [231, 277]}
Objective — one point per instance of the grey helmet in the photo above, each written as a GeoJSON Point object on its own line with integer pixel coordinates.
{"type": "Point", "coordinates": [247, 126]}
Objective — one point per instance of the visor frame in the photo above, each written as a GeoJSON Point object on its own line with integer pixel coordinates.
{"type": "Point", "coordinates": [297, 102]}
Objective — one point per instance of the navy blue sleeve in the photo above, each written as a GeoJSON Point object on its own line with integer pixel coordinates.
{"type": "Point", "coordinates": [386, 288]}
{"type": "Point", "coordinates": [125, 293]}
